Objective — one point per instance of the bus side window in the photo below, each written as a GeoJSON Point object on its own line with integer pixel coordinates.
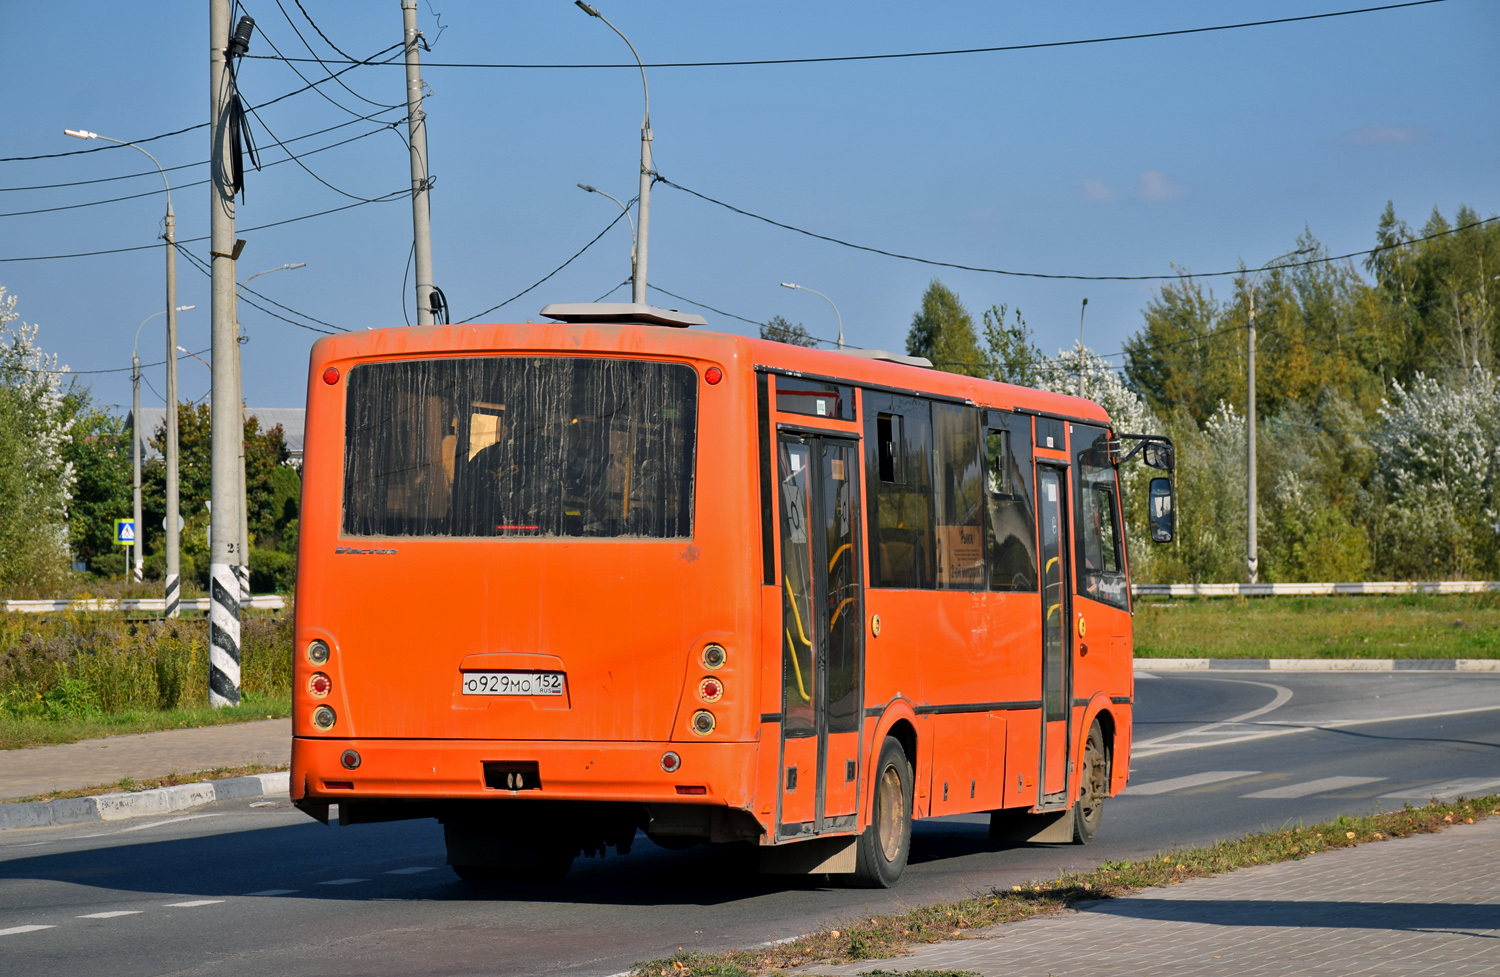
{"type": "Point", "coordinates": [898, 482]}
{"type": "Point", "coordinates": [960, 541]}
{"type": "Point", "coordinates": [1101, 572]}
{"type": "Point", "coordinates": [1010, 527]}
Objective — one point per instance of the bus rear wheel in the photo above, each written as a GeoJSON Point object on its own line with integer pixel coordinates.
{"type": "Point", "coordinates": [882, 850]}
{"type": "Point", "coordinates": [1088, 812]}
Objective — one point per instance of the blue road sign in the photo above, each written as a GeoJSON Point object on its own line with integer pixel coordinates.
{"type": "Point", "coordinates": [124, 532]}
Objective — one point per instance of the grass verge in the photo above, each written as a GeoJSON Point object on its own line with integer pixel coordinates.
{"type": "Point", "coordinates": [878, 937]}
{"type": "Point", "coordinates": [17, 732]}
{"type": "Point", "coordinates": [130, 784]}
{"type": "Point", "coordinates": [1405, 626]}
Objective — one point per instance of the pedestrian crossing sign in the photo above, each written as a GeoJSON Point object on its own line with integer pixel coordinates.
{"type": "Point", "coordinates": [124, 532]}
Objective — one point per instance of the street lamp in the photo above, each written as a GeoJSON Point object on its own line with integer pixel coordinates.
{"type": "Point", "coordinates": [638, 289]}
{"type": "Point", "coordinates": [173, 581]}
{"type": "Point", "coordinates": [626, 210]}
{"type": "Point", "coordinates": [1252, 550]}
{"type": "Point", "coordinates": [243, 569]}
{"type": "Point", "coordinates": [135, 436]}
{"type": "Point", "coordinates": [804, 288]}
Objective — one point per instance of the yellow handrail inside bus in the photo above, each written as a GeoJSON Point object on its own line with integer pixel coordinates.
{"type": "Point", "coordinates": [1054, 607]}
{"type": "Point", "coordinates": [846, 602]}
{"type": "Point", "coordinates": [796, 614]}
{"type": "Point", "coordinates": [1048, 567]}
{"type": "Point", "coordinates": [797, 668]}
{"type": "Point", "coordinates": [838, 553]}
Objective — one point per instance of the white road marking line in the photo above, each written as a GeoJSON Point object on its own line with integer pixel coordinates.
{"type": "Point", "coordinates": [195, 902]}
{"type": "Point", "coordinates": [1171, 742]}
{"type": "Point", "coordinates": [410, 870]}
{"type": "Point", "coordinates": [157, 824]}
{"type": "Point", "coordinates": [22, 929]}
{"type": "Point", "coordinates": [1191, 780]}
{"type": "Point", "coordinates": [1314, 787]}
{"type": "Point", "coordinates": [342, 881]}
{"type": "Point", "coordinates": [112, 914]}
{"type": "Point", "coordinates": [264, 804]}
{"type": "Point", "coordinates": [1443, 791]}
{"type": "Point", "coordinates": [1145, 675]}
{"type": "Point", "coordinates": [272, 892]}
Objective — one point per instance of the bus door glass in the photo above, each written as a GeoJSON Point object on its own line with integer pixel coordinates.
{"type": "Point", "coordinates": [1056, 635]}
{"type": "Point", "coordinates": [822, 633]}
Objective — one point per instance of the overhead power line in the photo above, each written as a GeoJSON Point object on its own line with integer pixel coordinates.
{"type": "Point", "coordinates": [1059, 275]}
{"type": "Point", "coordinates": [207, 272]}
{"type": "Point", "coordinates": [549, 274]}
{"type": "Point", "coordinates": [916, 54]}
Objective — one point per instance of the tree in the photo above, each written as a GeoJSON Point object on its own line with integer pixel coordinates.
{"type": "Point", "coordinates": [98, 448]}
{"type": "Point", "coordinates": [943, 331]}
{"type": "Point", "coordinates": [1012, 356]}
{"type": "Point", "coordinates": [35, 476]}
{"type": "Point", "coordinates": [779, 330]}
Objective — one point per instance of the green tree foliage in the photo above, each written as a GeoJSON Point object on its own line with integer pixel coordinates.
{"type": "Point", "coordinates": [1011, 355]}
{"type": "Point", "coordinates": [943, 331]}
{"type": "Point", "coordinates": [98, 448]}
{"type": "Point", "coordinates": [781, 331]}
{"type": "Point", "coordinates": [35, 476]}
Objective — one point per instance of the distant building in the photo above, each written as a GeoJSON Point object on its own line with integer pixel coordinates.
{"type": "Point", "coordinates": [293, 421]}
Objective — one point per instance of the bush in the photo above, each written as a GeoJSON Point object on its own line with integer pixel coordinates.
{"type": "Point", "coordinates": [272, 571]}
{"type": "Point", "coordinates": [108, 565]}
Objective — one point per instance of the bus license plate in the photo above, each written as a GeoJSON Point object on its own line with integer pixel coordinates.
{"type": "Point", "coordinates": [513, 683]}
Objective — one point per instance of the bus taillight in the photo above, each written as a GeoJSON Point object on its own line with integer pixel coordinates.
{"type": "Point", "coordinates": [703, 722]}
{"type": "Point", "coordinates": [710, 690]}
{"type": "Point", "coordinates": [324, 718]}
{"type": "Point", "coordinates": [319, 684]}
{"type": "Point", "coordinates": [670, 761]}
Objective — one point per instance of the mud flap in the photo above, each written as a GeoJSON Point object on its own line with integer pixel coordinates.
{"type": "Point", "coordinates": [831, 855]}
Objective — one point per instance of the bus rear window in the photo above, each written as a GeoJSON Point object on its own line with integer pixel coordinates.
{"type": "Point", "coordinates": [520, 446]}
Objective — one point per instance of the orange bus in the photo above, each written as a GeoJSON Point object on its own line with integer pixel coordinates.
{"type": "Point", "coordinates": [562, 582]}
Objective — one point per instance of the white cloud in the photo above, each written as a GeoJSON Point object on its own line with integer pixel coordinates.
{"type": "Point", "coordinates": [1156, 187]}
{"type": "Point", "coordinates": [1380, 135]}
{"type": "Point", "coordinates": [1098, 192]}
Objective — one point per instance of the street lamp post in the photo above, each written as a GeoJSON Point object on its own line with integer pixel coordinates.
{"type": "Point", "coordinates": [624, 209]}
{"type": "Point", "coordinates": [243, 571]}
{"type": "Point", "coordinates": [1252, 546]}
{"type": "Point", "coordinates": [174, 568]}
{"type": "Point", "coordinates": [638, 289]}
{"type": "Point", "coordinates": [135, 438]}
{"type": "Point", "coordinates": [804, 288]}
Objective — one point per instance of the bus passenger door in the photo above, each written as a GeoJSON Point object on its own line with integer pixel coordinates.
{"type": "Point", "coordinates": [1057, 678]}
{"type": "Point", "coordinates": [822, 635]}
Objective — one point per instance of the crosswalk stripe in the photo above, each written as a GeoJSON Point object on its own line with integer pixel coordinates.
{"type": "Point", "coordinates": [1443, 791]}
{"type": "Point", "coordinates": [1314, 787]}
{"type": "Point", "coordinates": [272, 892]}
{"type": "Point", "coordinates": [342, 881]}
{"type": "Point", "coordinates": [22, 929]}
{"type": "Point", "coordinates": [1191, 780]}
{"type": "Point", "coordinates": [410, 870]}
{"type": "Point", "coordinates": [193, 903]}
{"type": "Point", "coordinates": [112, 914]}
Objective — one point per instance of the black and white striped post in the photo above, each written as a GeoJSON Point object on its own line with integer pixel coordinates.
{"type": "Point", "coordinates": [174, 595]}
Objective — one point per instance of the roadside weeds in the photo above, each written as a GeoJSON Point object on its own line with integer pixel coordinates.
{"type": "Point", "coordinates": [883, 936]}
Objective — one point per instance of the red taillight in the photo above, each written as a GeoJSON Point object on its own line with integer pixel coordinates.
{"type": "Point", "coordinates": [331, 375]}
{"type": "Point", "coordinates": [670, 762]}
{"type": "Point", "coordinates": [338, 785]}
{"type": "Point", "coordinates": [713, 375]}
{"type": "Point", "coordinates": [710, 689]}
{"type": "Point", "coordinates": [319, 684]}
{"type": "Point", "coordinates": [692, 790]}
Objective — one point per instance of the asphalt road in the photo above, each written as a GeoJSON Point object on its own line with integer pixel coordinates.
{"type": "Point", "coordinates": [241, 888]}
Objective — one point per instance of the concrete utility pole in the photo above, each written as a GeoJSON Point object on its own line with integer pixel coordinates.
{"type": "Point", "coordinates": [1081, 310]}
{"type": "Point", "coordinates": [421, 182]}
{"type": "Point", "coordinates": [228, 425]}
{"type": "Point", "coordinates": [172, 588]}
{"type": "Point", "coordinates": [135, 438]}
{"type": "Point", "coordinates": [643, 223]}
{"type": "Point", "coordinates": [1252, 547]}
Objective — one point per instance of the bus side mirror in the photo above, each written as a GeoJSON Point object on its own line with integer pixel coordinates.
{"type": "Point", "coordinates": [1158, 455]}
{"type": "Point", "coordinates": [1163, 511]}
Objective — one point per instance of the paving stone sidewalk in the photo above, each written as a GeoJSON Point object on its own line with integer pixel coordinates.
{"type": "Point", "coordinates": [140, 756]}
{"type": "Point", "coordinates": [1427, 904]}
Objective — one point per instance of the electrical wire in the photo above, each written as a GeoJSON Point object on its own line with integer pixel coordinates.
{"type": "Point", "coordinates": [207, 271]}
{"type": "Point", "coordinates": [933, 54]}
{"type": "Point", "coordinates": [320, 61]}
{"type": "Point", "coordinates": [544, 278]}
{"type": "Point", "coordinates": [1068, 277]}
{"type": "Point", "coordinates": [118, 369]}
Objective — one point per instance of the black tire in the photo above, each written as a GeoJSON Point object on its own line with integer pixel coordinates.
{"type": "Point", "coordinates": [882, 850]}
{"type": "Point", "coordinates": [1093, 788]}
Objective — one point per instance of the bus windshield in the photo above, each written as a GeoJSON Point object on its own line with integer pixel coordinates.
{"type": "Point", "coordinates": [520, 446]}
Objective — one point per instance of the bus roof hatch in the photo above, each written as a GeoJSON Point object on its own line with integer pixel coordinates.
{"type": "Point", "coordinates": [621, 312]}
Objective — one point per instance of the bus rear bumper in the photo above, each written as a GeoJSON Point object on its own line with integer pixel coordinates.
{"type": "Point", "coordinates": [447, 770]}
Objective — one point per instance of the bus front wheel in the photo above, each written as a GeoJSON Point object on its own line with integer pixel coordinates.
{"type": "Point", "coordinates": [881, 852]}
{"type": "Point", "coordinates": [1088, 812]}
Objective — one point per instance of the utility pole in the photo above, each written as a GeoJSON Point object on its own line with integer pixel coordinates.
{"type": "Point", "coordinates": [1081, 310]}
{"type": "Point", "coordinates": [1252, 549]}
{"type": "Point", "coordinates": [228, 428]}
{"type": "Point", "coordinates": [138, 573]}
{"type": "Point", "coordinates": [242, 565]}
{"type": "Point", "coordinates": [421, 183]}
{"type": "Point", "coordinates": [173, 582]}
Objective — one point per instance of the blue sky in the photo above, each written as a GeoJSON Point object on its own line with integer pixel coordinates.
{"type": "Point", "coordinates": [1103, 159]}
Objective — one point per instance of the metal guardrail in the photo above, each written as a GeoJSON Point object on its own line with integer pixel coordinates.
{"type": "Point", "coordinates": [263, 602]}
{"type": "Point", "coordinates": [1314, 589]}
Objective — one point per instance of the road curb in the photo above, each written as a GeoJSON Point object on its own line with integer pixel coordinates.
{"type": "Point", "coordinates": [141, 803]}
{"type": "Point", "coordinates": [1319, 664]}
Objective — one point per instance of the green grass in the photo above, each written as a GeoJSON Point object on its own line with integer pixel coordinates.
{"type": "Point", "coordinates": [17, 732]}
{"type": "Point", "coordinates": [876, 936]}
{"type": "Point", "coordinates": [1408, 626]}
{"type": "Point", "coordinates": [130, 784]}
